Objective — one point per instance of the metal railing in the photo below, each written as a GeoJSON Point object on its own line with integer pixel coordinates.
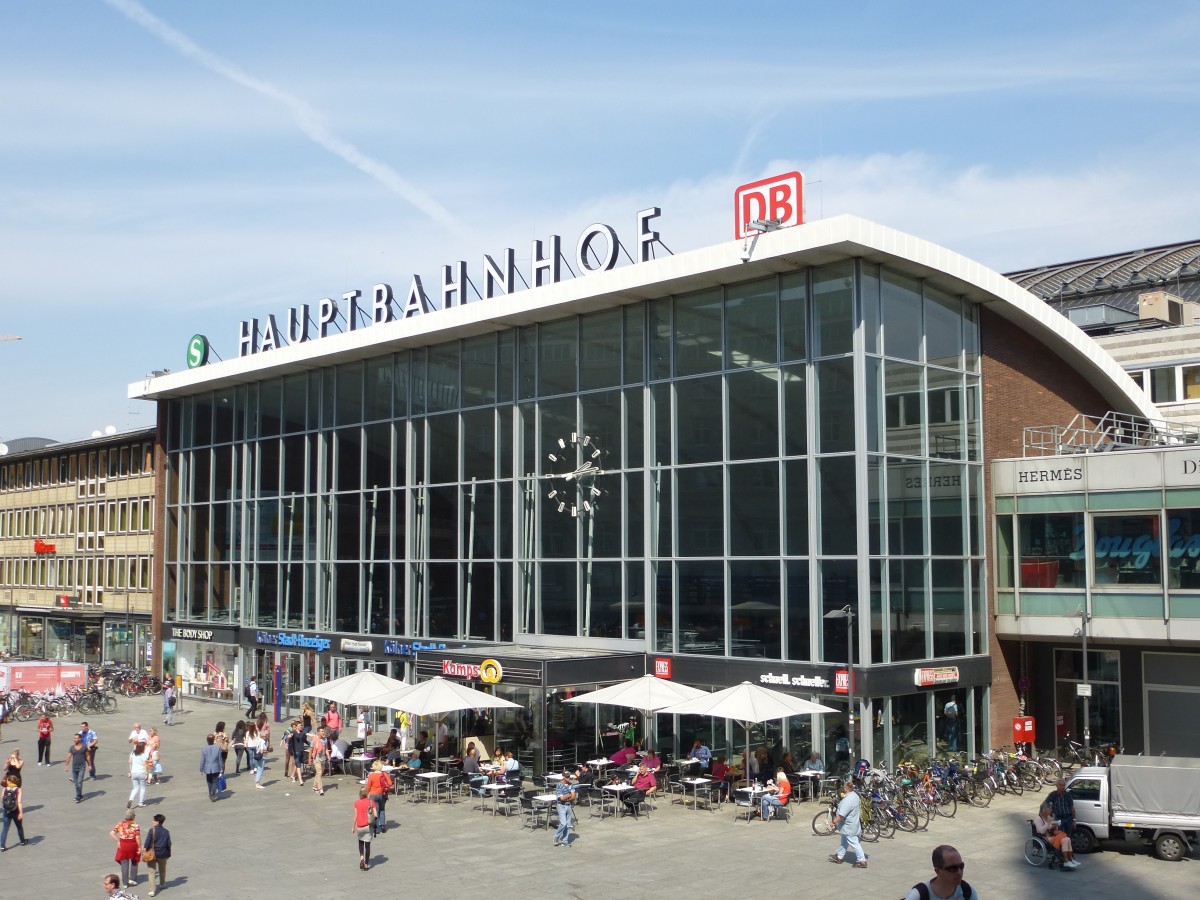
{"type": "Point", "coordinates": [1113, 431]}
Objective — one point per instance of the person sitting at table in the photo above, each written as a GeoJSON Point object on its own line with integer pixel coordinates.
{"type": "Point", "coordinates": [788, 766]}
{"type": "Point", "coordinates": [653, 763]}
{"type": "Point", "coordinates": [414, 760]}
{"type": "Point", "coordinates": [644, 786]}
{"type": "Point", "coordinates": [511, 768]}
{"type": "Point", "coordinates": [723, 775]}
{"type": "Point", "coordinates": [762, 768]}
{"type": "Point", "coordinates": [425, 749]}
{"type": "Point", "coordinates": [470, 767]}
{"type": "Point", "coordinates": [624, 755]}
{"type": "Point", "coordinates": [814, 763]}
{"type": "Point", "coordinates": [701, 752]}
{"type": "Point", "coordinates": [384, 750]}
{"type": "Point", "coordinates": [778, 793]}
{"type": "Point", "coordinates": [584, 776]}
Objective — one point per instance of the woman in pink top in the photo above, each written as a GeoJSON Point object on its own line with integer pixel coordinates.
{"type": "Point", "coordinates": [363, 808]}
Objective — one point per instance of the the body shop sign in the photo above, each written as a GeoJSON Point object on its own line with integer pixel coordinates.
{"type": "Point", "coordinates": [935, 676]}
{"type": "Point", "coordinates": [489, 671]}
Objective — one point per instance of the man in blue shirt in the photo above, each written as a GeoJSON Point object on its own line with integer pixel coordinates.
{"type": "Point", "coordinates": [701, 752]}
{"type": "Point", "coordinates": [564, 798]}
{"type": "Point", "coordinates": [90, 741]}
{"type": "Point", "coordinates": [1062, 805]}
{"type": "Point", "coordinates": [849, 825]}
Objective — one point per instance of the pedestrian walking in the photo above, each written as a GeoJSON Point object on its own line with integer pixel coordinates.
{"type": "Point", "coordinates": [140, 764]}
{"type": "Point", "coordinates": [251, 692]}
{"type": "Point", "coordinates": [14, 764]}
{"type": "Point", "coordinates": [257, 750]}
{"type": "Point", "coordinates": [127, 833]}
{"type": "Point", "coordinates": [947, 882]}
{"type": "Point", "coordinates": [13, 809]}
{"type": "Point", "coordinates": [296, 745]}
{"type": "Point", "coordinates": [168, 703]}
{"type": "Point", "coordinates": [158, 839]}
{"type": "Point", "coordinates": [364, 818]}
{"type": "Point", "coordinates": [564, 799]}
{"type": "Point", "coordinates": [238, 740]}
{"type": "Point", "coordinates": [849, 824]}
{"type": "Point", "coordinates": [45, 728]}
{"type": "Point", "coordinates": [76, 764]}
{"type": "Point", "coordinates": [210, 764]}
{"type": "Point", "coordinates": [223, 743]}
{"type": "Point", "coordinates": [264, 728]}
{"type": "Point", "coordinates": [379, 785]}
{"type": "Point", "coordinates": [92, 742]}
{"type": "Point", "coordinates": [318, 753]}
{"type": "Point", "coordinates": [152, 748]}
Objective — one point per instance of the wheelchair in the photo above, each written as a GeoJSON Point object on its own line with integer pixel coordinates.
{"type": "Point", "coordinates": [1040, 852]}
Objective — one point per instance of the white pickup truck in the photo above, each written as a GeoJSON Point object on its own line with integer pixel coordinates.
{"type": "Point", "coordinates": [1151, 800]}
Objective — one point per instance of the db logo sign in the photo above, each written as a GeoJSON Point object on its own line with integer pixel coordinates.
{"type": "Point", "coordinates": [778, 199]}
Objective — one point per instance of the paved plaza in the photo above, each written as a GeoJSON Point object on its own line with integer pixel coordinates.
{"type": "Point", "coordinates": [285, 841]}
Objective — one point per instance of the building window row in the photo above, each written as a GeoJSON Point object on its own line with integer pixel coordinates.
{"type": "Point", "coordinates": [54, 470]}
{"type": "Point", "coordinates": [86, 574]}
{"type": "Point", "coordinates": [86, 522]}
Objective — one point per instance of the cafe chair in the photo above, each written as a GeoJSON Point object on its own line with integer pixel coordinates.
{"type": "Point", "coordinates": [453, 785]}
{"type": "Point", "coordinates": [507, 802]}
{"type": "Point", "coordinates": [709, 796]}
{"type": "Point", "coordinates": [634, 801]}
{"type": "Point", "coordinates": [600, 802]}
{"type": "Point", "coordinates": [746, 804]}
{"type": "Point", "coordinates": [533, 815]}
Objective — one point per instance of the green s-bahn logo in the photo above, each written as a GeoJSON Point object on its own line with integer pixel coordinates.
{"type": "Point", "coordinates": [197, 351]}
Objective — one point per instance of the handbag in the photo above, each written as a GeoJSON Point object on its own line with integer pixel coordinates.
{"type": "Point", "coordinates": [148, 854]}
{"type": "Point", "coordinates": [221, 782]}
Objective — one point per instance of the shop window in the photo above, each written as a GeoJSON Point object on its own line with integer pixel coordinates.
{"type": "Point", "coordinates": [1125, 549]}
{"type": "Point", "coordinates": [1050, 546]}
{"type": "Point", "coordinates": [1183, 549]}
{"type": "Point", "coordinates": [1103, 707]}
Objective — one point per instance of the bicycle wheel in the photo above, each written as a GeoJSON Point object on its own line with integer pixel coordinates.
{"type": "Point", "coordinates": [887, 824]}
{"type": "Point", "coordinates": [822, 823]}
{"type": "Point", "coordinates": [1013, 783]}
{"type": "Point", "coordinates": [1051, 771]}
{"type": "Point", "coordinates": [983, 794]}
{"type": "Point", "coordinates": [108, 704]}
{"type": "Point", "coordinates": [870, 831]}
{"type": "Point", "coordinates": [906, 817]}
{"type": "Point", "coordinates": [946, 806]}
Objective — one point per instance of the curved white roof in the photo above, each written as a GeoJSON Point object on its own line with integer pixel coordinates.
{"type": "Point", "coordinates": [789, 249]}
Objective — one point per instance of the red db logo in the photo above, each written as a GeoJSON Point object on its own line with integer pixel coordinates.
{"type": "Point", "coordinates": [778, 199]}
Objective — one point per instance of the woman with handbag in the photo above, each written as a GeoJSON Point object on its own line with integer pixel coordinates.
{"type": "Point", "coordinates": [128, 835]}
{"type": "Point", "coordinates": [257, 748]}
{"type": "Point", "coordinates": [156, 850]}
{"type": "Point", "coordinates": [364, 823]}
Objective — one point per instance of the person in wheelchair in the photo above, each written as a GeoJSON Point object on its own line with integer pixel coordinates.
{"type": "Point", "coordinates": [1048, 828]}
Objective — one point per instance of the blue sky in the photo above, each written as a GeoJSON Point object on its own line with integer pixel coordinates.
{"type": "Point", "coordinates": [169, 168]}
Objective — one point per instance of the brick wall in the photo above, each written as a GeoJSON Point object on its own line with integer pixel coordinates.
{"type": "Point", "coordinates": [1024, 384]}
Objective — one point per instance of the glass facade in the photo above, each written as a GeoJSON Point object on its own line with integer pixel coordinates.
{"type": "Point", "coordinates": [761, 454]}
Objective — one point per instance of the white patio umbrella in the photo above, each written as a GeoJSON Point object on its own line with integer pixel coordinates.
{"type": "Point", "coordinates": [748, 704]}
{"type": "Point", "coordinates": [437, 695]}
{"type": "Point", "coordinates": [647, 695]}
{"type": "Point", "coordinates": [357, 689]}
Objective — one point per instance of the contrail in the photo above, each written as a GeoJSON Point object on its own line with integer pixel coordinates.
{"type": "Point", "coordinates": [310, 120]}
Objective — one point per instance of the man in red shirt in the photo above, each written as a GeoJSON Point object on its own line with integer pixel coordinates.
{"type": "Point", "coordinates": [333, 722]}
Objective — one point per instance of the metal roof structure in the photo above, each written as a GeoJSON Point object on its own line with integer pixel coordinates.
{"type": "Point", "coordinates": [1118, 279]}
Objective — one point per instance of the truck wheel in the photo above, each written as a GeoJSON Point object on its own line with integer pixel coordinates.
{"type": "Point", "coordinates": [1170, 847]}
{"type": "Point", "coordinates": [1083, 841]}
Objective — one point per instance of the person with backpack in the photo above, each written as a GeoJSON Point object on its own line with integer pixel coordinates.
{"type": "Point", "coordinates": [168, 703]}
{"type": "Point", "coordinates": [950, 713]}
{"type": "Point", "coordinates": [250, 692]}
{"type": "Point", "coordinates": [13, 810]}
{"type": "Point", "coordinates": [947, 882]}
{"type": "Point", "coordinates": [379, 785]}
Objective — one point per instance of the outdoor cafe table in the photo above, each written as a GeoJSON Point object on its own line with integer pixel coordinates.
{"type": "Point", "coordinates": [695, 784]}
{"type": "Point", "coordinates": [811, 778]}
{"type": "Point", "coordinates": [618, 791]}
{"type": "Point", "coordinates": [431, 783]}
{"type": "Point", "coordinates": [602, 763]}
{"type": "Point", "coordinates": [753, 795]}
{"type": "Point", "coordinates": [495, 789]}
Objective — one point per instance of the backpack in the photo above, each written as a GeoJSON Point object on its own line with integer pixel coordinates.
{"type": "Point", "coordinates": [10, 800]}
{"type": "Point", "coordinates": [246, 690]}
{"type": "Point", "coordinates": [922, 889]}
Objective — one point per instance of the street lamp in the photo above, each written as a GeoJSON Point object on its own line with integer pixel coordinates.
{"type": "Point", "coordinates": [847, 613]}
{"type": "Point", "coordinates": [1085, 689]}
